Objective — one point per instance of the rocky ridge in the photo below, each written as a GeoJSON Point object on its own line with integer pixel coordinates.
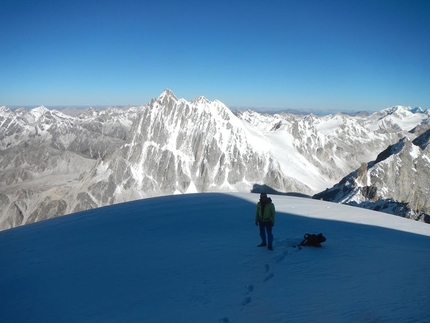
{"type": "Point", "coordinates": [396, 182]}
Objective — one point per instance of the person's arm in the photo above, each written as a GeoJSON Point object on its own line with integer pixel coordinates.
{"type": "Point", "coordinates": [272, 213]}
{"type": "Point", "coordinates": [256, 212]}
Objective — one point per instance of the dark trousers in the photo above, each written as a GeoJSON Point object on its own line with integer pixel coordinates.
{"type": "Point", "coordinates": [266, 228]}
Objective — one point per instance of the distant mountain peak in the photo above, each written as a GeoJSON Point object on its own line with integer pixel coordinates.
{"type": "Point", "coordinates": [200, 99]}
{"type": "Point", "coordinates": [399, 110]}
{"type": "Point", "coordinates": [4, 109]}
{"type": "Point", "coordinates": [39, 112]}
{"type": "Point", "coordinates": [167, 94]}
{"type": "Point", "coordinates": [417, 110]}
{"type": "Point", "coordinates": [41, 108]}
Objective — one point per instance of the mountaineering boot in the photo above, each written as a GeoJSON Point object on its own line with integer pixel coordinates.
{"type": "Point", "coordinates": [262, 245]}
{"type": "Point", "coordinates": [270, 248]}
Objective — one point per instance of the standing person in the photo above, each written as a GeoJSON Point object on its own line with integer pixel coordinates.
{"type": "Point", "coordinates": [265, 218]}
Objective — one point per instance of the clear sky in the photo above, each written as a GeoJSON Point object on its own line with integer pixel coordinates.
{"type": "Point", "coordinates": [302, 54]}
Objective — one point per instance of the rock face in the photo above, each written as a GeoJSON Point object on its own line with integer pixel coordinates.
{"type": "Point", "coordinates": [177, 147]}
{"type": "Point", "coordinates": [53, 164]}
{"type": "Point", "coordinates": [44, 154]}
{"type": "Point", "coordinates": [396, 182]}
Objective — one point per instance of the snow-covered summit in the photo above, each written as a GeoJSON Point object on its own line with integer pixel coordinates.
{"type": "Point", "coordinates": [200, 100]}
{"type": "Point", "coordinates": [4, 109]}
{"type": "Point", "coordinates": [38, 112]}
{"type": "Point", "coordinates": [403, 117]}
{"type": "Point", "coordinates": [167, 95]}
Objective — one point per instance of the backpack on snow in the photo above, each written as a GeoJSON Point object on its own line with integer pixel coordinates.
{"type": "Point", "coordinates": [313, 240]}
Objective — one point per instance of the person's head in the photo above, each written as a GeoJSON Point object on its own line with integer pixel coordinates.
{"type": "Point", "coordinates": [263, 197]}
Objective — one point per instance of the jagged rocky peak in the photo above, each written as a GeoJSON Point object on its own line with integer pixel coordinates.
{"type": "Point", "coordinates": [166, 96]}
{"type": "Point", "coordinates": [216, 107]}
{"type": "Point", "coordinates": [401, 111]}
{"type": "Point", "coordinates": [396, 182]}
{"type": "Point", "coordinates": [201, 100]}
{"type": "Point", "coordinates": [4, 109]}
{"type": "Point", "coordinates": [391, 150]}
{"type": "Point", "coordinates": [418, 110]}
{"type": "Point", "coordinates": [168, 102]}
{"type": "Point", "coordinates": [422, 140]}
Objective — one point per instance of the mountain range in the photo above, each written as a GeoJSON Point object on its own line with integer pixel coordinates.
{"type": "Point", "coordinates": [53, 164]}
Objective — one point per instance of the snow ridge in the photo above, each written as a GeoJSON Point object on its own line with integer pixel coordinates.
{"type": "Point", "coordinates": [130, 262]}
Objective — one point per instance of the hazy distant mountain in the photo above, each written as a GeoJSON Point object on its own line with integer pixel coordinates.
{"type": "Point", "coordinates": [53, 164]}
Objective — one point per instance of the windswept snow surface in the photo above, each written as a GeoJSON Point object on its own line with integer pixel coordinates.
{"type": "Point", "coordinates": [193, 258]}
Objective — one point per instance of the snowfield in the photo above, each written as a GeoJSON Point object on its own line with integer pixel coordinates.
{"type": "Point", "coordinates": [193, 258]}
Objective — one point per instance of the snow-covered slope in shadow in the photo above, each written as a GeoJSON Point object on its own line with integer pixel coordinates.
{"type": "Point", "coordinates": [193, 258]}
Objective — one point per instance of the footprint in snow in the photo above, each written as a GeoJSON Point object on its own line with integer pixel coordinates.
{"type": "Point", "coordinates": [246, 300]}
{"type": "Point", "coordinates": [269, 276]}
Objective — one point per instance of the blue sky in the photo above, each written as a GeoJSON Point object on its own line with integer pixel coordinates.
{"type": "Point", "coordinates": [307, 54]}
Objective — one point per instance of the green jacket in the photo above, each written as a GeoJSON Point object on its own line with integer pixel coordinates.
{"type": "Point", "coordinates": [268, 215]}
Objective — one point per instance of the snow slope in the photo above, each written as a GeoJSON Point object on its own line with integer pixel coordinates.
{"type": "Point", "coordinates": [193, 258]}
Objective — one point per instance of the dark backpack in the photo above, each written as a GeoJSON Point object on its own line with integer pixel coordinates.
{"type": "Point", "coordinates": [313, 240]}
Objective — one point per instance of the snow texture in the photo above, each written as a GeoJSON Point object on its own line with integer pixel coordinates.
{"type": "Point", "coordinates": [193, 258]}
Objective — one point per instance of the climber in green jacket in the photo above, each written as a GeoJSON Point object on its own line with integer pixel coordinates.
{"type": "Point", "coordinates": [265, 219]}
